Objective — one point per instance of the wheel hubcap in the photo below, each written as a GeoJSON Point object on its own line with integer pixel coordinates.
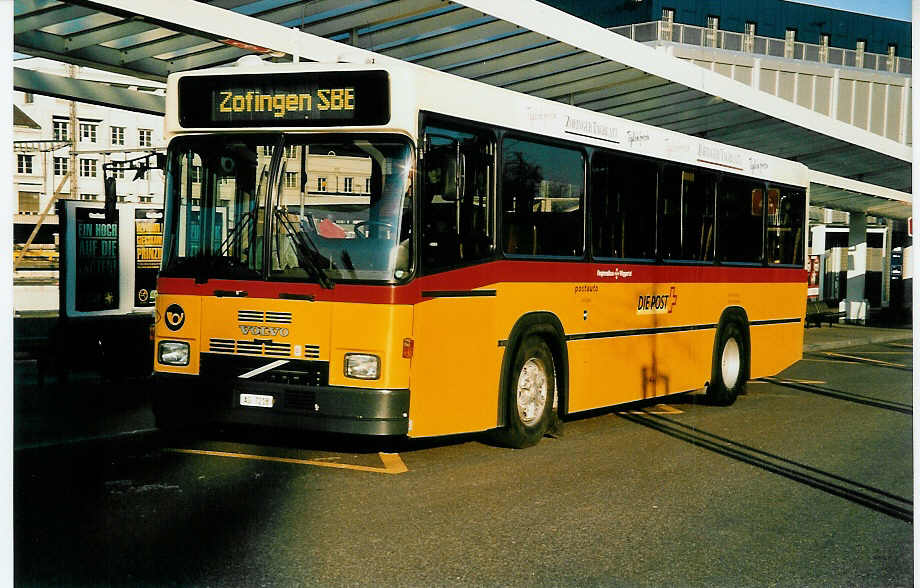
{"type": "Point", "coordinates": [731, 363]}
{"type": "Point", "coordinates": [531, 391]}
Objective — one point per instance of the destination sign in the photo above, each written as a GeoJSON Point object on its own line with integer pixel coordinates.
{"type": "Point", "coordinates": [290, 99]}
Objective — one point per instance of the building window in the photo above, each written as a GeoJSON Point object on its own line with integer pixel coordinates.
{"type": "Point", "coordinates": [145, 137]}
{"type": "Point", "coordinates": [118, 135]}
{"type": "Point", "coordinates": [290, 151]}
{"type": "Point", "coordinates": [196, 174]}
{"type": "Point", "coordinates": [23, 163]}
{"type": "Point", "coordinates": [290, 179]}
{"type": "Point", "coordinates": [320, 184]}
{"type": "Point", "coordinates": [367, 185]}
{"type": "Point", "coordinates": [87, 196]}
{"type": "Point", "coordinates": [61, 166]}
{"type": "Point", "coordinates": [146, 199]}
{"type": "Point", "coordinates": [88, 168]}
{"type": "Point", "coordinates": [28, 203]}
{"type": "Point", "coordinates": [118, 173]}
{"type": "Point", "coordinates": [61, 130]}
{"type": "Point", "coordinates": [349, 185]}
{"type": "Point", "coordinates": [29, 98]}
{"type": "Point", "coordinates": [88, 132]}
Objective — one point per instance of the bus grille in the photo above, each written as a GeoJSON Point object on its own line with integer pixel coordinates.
{"type": "Point", "coordinates": [258, 316]}
{"type": "Point", "coordinates": [269, 348]}
{"type": "Point", "coordinates": [295, 373]}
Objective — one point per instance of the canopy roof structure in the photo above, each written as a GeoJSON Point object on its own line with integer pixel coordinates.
{"type": "Point", "coordinates": [522, 45]}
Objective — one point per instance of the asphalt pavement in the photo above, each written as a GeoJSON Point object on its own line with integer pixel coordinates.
{"type": "Point", "coordinates": [90, 406]}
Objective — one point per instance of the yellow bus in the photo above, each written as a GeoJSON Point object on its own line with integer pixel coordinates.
{"type": "Point", "coordinates": [384, 250]}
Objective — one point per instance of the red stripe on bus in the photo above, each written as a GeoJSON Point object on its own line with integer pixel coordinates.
{"type": "Point", "coordinates": [503, 271]}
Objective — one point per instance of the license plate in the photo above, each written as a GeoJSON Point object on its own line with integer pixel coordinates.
{"type": "Point", "coordinates": [260, 400]}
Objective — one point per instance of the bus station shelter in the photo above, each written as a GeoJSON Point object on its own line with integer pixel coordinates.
{"type": "Point", "coordinates": [522, 45]}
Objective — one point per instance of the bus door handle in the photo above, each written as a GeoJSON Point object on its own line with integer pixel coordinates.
{"type": "Point", "coordinates": [293, 296]}
{"type": "Point", "coordinates": [231, 293]}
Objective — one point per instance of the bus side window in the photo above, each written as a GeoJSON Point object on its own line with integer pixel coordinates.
{"type": "Point", "coordinates": [542, 199]}
{"type": "Point", "coordinates": [785, 225]}
{"type": "Point", "coordinates": [740, 226]}
{"type": "Point", "coordinates": [623, 206]}
{"type": "Point", "coordinates": [457, 196]}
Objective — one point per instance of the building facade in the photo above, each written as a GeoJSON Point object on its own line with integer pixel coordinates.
{"type": "Point", "coordinates": [779, 19]}
{"type": "Point", "coordinates": [66, 148]}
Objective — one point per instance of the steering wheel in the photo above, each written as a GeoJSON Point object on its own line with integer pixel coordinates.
{"type": "Point", "coordinates": [363, 225]}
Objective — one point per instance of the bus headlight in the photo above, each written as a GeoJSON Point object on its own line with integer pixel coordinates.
{"type": "Point", "coordinates": [362, 366]}
{"type": "Point", "coordinates": [173, 352]}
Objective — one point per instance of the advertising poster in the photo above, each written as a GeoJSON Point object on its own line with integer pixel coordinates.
{"type": "Point", "coordinates": [148, 251]}
{"type": "Point", "coordinates": [96, 286]}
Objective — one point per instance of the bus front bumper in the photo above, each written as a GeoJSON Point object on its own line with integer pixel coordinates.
{"type": "Point", "coordinates": [337, 409]}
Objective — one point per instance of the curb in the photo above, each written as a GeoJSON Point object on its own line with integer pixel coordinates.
{"type": "Point", "coordinates": [853, 341]}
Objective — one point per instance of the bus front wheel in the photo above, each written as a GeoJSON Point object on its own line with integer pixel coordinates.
{"type": "Point", "coordinates": [529, 395]}
{"type": "Point", "coordinates": [729, 366]}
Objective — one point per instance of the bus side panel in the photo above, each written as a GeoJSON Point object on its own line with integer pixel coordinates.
{"type": "Point", "coordinates": [456, 367]}
{"type": "Point", "coordinates": [628, 359]}
{"type": "Point", "coordinates": [774, 347]}
{"type": "Point", "coordinates": [625, 369]}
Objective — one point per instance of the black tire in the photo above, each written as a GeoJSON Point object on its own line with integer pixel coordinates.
{"type": "Point", "coordinates": [529, 394]}
{"type": "Point", "coordinates": [729, 365]}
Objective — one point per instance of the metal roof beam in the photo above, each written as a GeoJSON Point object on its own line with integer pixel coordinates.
{"type": "Point", "coordinates": [51, 46]}
{"type": "Point", "coordinates": [173, 43]}
{"type": "Point", "coordinates": [26, 80]}
{"type": "Point", "coordinates": [438, 42]}
{"type": "Point", "coordinates": [360, 18]}
{"type": "Point", "coordinates": [105, 34]}
{"type": "Point", "coordinates": [567, 82]}
{"type": "Point", "coordinates": [483, 51]}
{"type": "Point", "coordinates": [49, 16]}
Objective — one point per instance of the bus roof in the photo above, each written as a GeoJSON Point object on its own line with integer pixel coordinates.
{"type": "Point", "coordinates": [415, 89]}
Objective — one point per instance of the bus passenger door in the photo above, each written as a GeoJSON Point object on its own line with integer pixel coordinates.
{"type": "Point", "coordinates": [456, 364]}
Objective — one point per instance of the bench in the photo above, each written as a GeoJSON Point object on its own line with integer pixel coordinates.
{"type": "Point", "coordinates": [818, 311]}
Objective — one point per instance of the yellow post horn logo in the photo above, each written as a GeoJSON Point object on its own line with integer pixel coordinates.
{"type": "Point", "coordinates": [175, 317]}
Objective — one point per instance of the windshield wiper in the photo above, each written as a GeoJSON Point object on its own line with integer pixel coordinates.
{"type": "Point", "coordinates": [306, 250]}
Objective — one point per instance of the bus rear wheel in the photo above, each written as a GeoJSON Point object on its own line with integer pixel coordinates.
{"type": "Point", "coordinates": [529, 395]}
{"type": "Point", "coordinates": [729, 366]}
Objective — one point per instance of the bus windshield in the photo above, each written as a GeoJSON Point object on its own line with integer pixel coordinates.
{"type": "Point", "coordinates": [291, 208]}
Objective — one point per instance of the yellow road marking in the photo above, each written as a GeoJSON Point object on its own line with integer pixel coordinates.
{"type": "Point", "coordinates": [909, 346]}
{"type": "Point", "coordinates": [392, 463]}
{"type": "Point", "coordinates": [798, 381]}
{"type": "Point", "coordinates": [826, 360]}
{"type": "Point", "coordinates": [858, 358]}
{"type": "Point", "coordinates": [885, 352]}
{"type": "Point", "coordinates": [658, 409]}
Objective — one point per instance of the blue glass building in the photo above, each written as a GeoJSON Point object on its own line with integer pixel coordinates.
{"type": "Point", "coordinates": [772, 18]}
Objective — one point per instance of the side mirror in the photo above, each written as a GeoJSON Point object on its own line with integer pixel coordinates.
{"type": "Point", "coordinates": [110, 198]}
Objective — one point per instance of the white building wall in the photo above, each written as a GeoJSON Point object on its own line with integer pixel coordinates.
{"type": "Point", "coordinates": [45, 110]}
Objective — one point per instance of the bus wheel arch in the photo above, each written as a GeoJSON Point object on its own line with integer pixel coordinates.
{"type": "Point", "coordinates": [731, 357]}
{"type": "Point", "coordinates": [536, 344]}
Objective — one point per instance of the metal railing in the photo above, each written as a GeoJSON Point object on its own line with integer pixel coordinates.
{"type": "Point", "coordinates": [660, 30]}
